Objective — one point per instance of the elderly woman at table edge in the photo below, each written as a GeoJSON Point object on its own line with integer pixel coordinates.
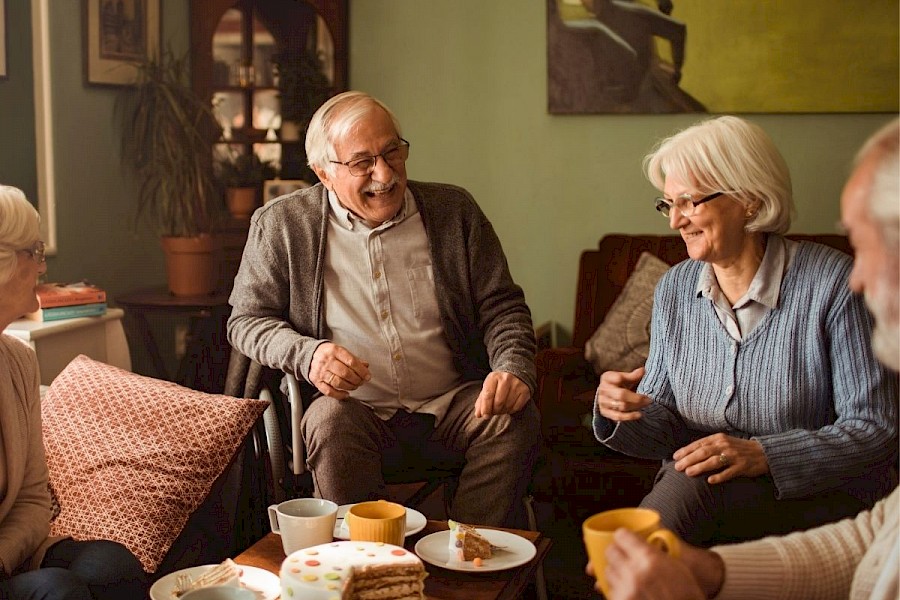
{"type": "Point", "coordinates": [33, 565]}
{"type": "Point", "coordinates": [761, 394]}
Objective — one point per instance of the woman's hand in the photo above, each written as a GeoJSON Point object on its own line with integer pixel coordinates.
{"type": "Point", "coordinates": [637, 570]}
{"type": "Point", "coordinates": [728, 457]}
{"type": "Point", "coordinates": [616, 399]}
{"type": "Point", "coordinates": [336, 372]}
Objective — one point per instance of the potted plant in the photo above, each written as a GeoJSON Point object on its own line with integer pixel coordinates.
{"type": "Point", "coordinates": [168, 134]}
{"type": "Point", "coordinates": [302, 88]}
{"type": "Point", "coordinates": [243, 176]}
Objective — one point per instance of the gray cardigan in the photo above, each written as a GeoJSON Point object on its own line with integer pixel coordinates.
{"type": "Point", "coordinates": [804, 382]}
{"type": "Point", "coordinates": [277, 317]}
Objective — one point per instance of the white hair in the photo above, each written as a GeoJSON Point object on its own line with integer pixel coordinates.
{"type": "Point", "coordinates": [731, 155]}
{"type": "Point", "coordinates": [884, 195]}
{"type": "Point", "coordinates": [20, 226]}
{"type": "Point", "coordinates": [334, 120]}
{"type": "Point", "coordinates": [883, 206]}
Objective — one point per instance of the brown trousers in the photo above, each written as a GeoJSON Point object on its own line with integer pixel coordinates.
{"type": "Point", "coordinates": [349, 450]}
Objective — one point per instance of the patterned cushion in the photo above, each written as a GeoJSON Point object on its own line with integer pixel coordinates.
{"type": "Point", "coordinates": [132, 457]}
{"type": "Point", "coordinates": [622, 341]}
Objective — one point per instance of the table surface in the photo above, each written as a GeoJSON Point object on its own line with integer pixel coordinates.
{"type": "Point", "coordinates": [441, 584]}
{"type": "Point", "coordinates": [160, 298]}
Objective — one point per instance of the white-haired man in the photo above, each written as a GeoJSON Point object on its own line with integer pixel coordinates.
{"type": "Point", "coordinates": [392, 302]}
{"type": "Point", "coordinates": [853, 558]}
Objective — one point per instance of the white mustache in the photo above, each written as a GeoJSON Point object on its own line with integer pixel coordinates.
{"type": "Point", "coordinates": [375, 188]}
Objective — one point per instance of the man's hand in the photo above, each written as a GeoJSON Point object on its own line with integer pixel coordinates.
{"type": "Point", "coordinates": [728, 457]}
{"type": "Point", "coordinates": [336, 372]}
{"type": "Point", "coordinates": [501, 394]}
{"type": "Point", "coordinates": [635, 569]}
{"type": "Point", "coordinates": [616, 399]}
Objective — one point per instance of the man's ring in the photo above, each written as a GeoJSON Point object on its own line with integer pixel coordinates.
{"type": "Point", "coordinates": [723, 460]}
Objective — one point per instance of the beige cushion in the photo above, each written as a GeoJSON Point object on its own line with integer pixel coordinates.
{"type": "Point", "coordinates": [622, 341]}
{"type": "Point", "coordinates": [132, 457]}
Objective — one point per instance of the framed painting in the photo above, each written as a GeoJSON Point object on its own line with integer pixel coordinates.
{"type": "Point", "coordinates": [740, 56]}
{"type": "Point", "coordinates": [117, 35]}
{"type": "Point", "coordinates": [272, 188]}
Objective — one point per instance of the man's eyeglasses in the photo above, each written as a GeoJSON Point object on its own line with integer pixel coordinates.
{"type": "Point", "coordinates": [364, 165]}
{"type": "Point", "coordinates": [36, 252]}
{"type": "Point", "coordinates": [685, 204]}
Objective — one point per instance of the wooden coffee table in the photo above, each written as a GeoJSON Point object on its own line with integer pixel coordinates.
{"type": "Point", "coordinates": [442, 584]}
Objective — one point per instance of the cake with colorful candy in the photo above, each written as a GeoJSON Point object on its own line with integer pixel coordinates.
{"type": "Point", "coordinates": [353, 571]}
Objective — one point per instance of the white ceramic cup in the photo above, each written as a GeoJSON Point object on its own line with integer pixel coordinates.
{"type": "Point", "coordinates": [303, 522]}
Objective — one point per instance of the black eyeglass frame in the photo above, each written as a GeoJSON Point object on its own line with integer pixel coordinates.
{"type": "Point", "coordinates": [393, 162]}
{"type": "Point", "coordinates": [665, 206]}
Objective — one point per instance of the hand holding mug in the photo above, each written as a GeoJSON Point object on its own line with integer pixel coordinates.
{"type": "Point", "coordinates": [599, 532]}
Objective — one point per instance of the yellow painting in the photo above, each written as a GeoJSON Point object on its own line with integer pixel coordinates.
{"type": "Point", "coordinates": [723, 56]}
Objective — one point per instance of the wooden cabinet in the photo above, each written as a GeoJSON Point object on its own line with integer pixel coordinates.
{"type": "Point", "coordinates": [236, 48]}
{"type": "Point", "coordinates": [241, 54]}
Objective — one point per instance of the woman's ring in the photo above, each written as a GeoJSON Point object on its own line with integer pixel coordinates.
{"type": "Point", "coordinates": [723, 460]}
{"type": "Point", "coordinates": [330, 380]}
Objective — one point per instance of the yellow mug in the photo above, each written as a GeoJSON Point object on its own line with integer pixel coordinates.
{"type": "Point", "coordinates": [598, 534]}
{"type": "Point", "coordinates": [377, 521]}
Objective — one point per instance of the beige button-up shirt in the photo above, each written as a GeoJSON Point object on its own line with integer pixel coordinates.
{"type": "Point", "coordinates": [381, 304]}
{"type": "Point", "coordinates": [741, 318]}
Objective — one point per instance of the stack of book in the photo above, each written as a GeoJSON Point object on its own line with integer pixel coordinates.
{"type": "Point", "coordinates": [68, 301]}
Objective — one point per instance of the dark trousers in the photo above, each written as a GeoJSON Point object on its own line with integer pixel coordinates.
{"type": "Point", "coordinates": [349, 451]}
{"type": "Point", "coordinates": [744, 508]}
{"type": "Point", "coordinates": [80, 570]}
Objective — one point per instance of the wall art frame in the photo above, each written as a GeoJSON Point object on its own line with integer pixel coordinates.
{"type": "Point", "coordinates": [117, 35]}
{"type": "Point", "coordinates": [741, 56]}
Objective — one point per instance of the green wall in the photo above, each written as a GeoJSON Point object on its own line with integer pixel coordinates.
{"type": "Point", "coordinates": [467, 79]}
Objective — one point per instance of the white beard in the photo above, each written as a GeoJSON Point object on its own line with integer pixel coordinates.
{"type": "Point", "coordinates": [885, 307]}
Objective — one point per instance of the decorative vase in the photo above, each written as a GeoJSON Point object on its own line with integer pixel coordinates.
{"type": "Point", "coordinates": [241, 201]}
{"type": "Point", "coordinates": [192, 264]}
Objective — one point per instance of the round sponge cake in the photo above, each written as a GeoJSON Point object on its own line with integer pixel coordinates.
{"type": "Point", "coordinates": [320, 572]}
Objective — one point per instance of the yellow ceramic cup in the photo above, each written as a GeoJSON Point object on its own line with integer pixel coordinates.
{"type": "Point", "coordinates": [377, 521]}
{"type": "Point", "coordinates": [598, 534]}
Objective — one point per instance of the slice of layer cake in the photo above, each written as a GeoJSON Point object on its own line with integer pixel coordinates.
{"type": "Point", "coordinates": [466, 543]}
{"type": "Point", "coordinates": [225, 573]}
{"type": "Point", "coordinates": [385, 582]}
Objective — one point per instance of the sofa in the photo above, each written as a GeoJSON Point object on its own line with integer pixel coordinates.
{"type": "Point", "coordinates": [566, 380]}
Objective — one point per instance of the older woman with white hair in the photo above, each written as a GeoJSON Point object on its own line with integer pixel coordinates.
{"type": "Point", "coordinates": [761, 394]}
{"type": "Point", "coordinates": [33, 565]}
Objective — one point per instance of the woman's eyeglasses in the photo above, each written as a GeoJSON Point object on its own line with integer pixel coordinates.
{"type": "Point", "coordinates": [685, 204]}
{"type": "Point", "coordinates": [36, 252]}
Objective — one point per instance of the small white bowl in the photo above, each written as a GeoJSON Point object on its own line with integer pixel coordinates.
{"type": "Point", "coordinates": [220, 592]}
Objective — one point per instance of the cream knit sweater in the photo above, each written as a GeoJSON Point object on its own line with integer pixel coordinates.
{"type": "Point", "coordinates": [854, 558]}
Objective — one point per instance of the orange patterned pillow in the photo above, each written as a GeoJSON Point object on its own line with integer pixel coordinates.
{"type": "Point", "coordinates": [132, 457]}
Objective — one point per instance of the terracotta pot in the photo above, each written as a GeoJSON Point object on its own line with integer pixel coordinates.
{"type": "Point", "coordinates": [192, 264]}
{"type": "Point", "coordinates": [241, 202]}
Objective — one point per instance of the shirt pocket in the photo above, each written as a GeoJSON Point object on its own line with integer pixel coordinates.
{"type": "Point", "coordinates": [421, 289]}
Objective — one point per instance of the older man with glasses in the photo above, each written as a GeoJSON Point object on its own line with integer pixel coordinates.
{"type": "Point", "coordinates": [391, 301]}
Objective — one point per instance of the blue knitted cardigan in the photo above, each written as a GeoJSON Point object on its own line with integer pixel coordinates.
{"type": "Point", "coordinates": [804, 382]}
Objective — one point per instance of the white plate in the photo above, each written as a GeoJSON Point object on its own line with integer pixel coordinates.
{"type": "Point", "coordinates": [415, 522]}
{"type": "Point", "coordinates": [516, 551]}
{"type": "Point", "coordinates": [266, 585]}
